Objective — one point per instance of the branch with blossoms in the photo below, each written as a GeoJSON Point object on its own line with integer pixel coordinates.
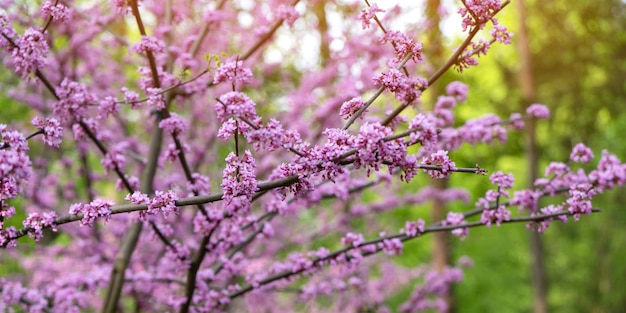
{"type": "Point", "coordinates": [169, 149]}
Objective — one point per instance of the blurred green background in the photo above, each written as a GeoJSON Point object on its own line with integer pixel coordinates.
{"type": "Point", "coordinates": [578, 51]}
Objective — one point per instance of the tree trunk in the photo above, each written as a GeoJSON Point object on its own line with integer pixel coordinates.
{"type": "Point", "coordinates": [528, 96]}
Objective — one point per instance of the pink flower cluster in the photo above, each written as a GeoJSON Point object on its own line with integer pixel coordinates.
{"type": "Point", "coordinates": [74, 99]}
{"type": "Point", "coordinates": [35, 222]}
{"type": "Point", "coordinates": [429, 295]}
{"type": "Point", "coordinates": [272, 136]}
{"type": "Point", "coordinates": [15, 165]}
{"type": "Point", "coordinates": [403, 45]}
{"type": "Point", "coordinates": [57, 11]}
{"type": "Point", "coordinates": [406, 89]}
{"type": "Point", "coordinates": [92, 210]}
{"type": "Point", "coordinates": [149, 43]}
{"type": "Point", "coordinates": [174, 125]}
{"type": "Point", "coordinates": [163, 202]}
{"type": "Point", "coordinates": [232, 106]}
{"type": "Point", "coordinates": [239, 177]}
{"type": "Point", "coordinates": [454, 219]}
{"type": "Point", "coordinates": [367, 15]}
{"type": "Point", "coordinates": [234, 72]}
{"type": "Point", "coordinates": [29, 52]}
{"type": "Point", "coordinates": [441, 159]}
{"type": "Point", "coordinates": [478, 12]}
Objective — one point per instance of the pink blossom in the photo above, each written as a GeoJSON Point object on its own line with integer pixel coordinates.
{"type": "Point", "coordinates": [174, 125]}
{"type": "Point", "coordinates": [427, 133]}
{"type": "Point", "coordinates": [201, 184]}
{"type": "Point", "coordinates": [406, 89]}
{"type": "Point", "coordinates": [458, 90]}
{"type": "Point", "coordinates": [115, 159]}
{"type": "Point", "coordinates": [137, 198]}
{"type": "Point", "coordinates": [36, 222]}
{"type": "Point", "coordinates": [239, 177]}
{"type": "Point", "coordinates": [391, 246]}
{"type": "Point", "coordinates": [234, 72]}
{"type": "Point", "coordinates": [368, 14]}
{"type": "Point", "coordinates": [478, 12]}
{"type": "Point", "coordinates": [131, 97]}
{"type": "Point", "coordinates": [58, 11]}
{"type": "Point", "coordinates": [456, 219]}
{"type": "Point", "coordinates": [526, 200]}
{"type": "Point", "coordinates": [15, 165]}
{"type": "Point", "coordinates": [288, 13]}
{"type": "Point", "coordinates": [235, 104]}
{"type": "Point", "coordinates": [30, 53]}
{"type": "Point", "coordinates": [92, 210]}
{"type": "Point", "coordinates": [500, 33]}
{"type": "Point", "coordinates": [439, 158]}
{"type": "Point", "coordinates": [403, 45]}
{"type": "Point", "coordinates": [73, 101]}
{"type": "Point", "coordinates": [350, 107]}
{"type": "Point", "coordinates": [538, 111]}
{"type": "Point", "coordinates": [165, 202]}
{"type": "Point", "coordinates": [149, 43]}
{"type": "Point", "coordinates": [352, 239]}
{"type": "Point", "coordinates": [581, 154]}
{"type": "Point", "coordinates": [483, 130]}
{"type": "Point", "coordinates": [268, 138]}
{"type": "Point", "coordinates": [502, 180]}
{"type": "Point", "coordinates": [497, 216]}
{"type": "Point", "coordinates": [414, 228]}
{"type": "Point", "coordinates": [108, 106]}
{"type": "Point", "coordinates": [517, 121]}
{"type": "Point", "coordinates": [155, 98]}
{"type": "Point", "coordinates": [53, 132]}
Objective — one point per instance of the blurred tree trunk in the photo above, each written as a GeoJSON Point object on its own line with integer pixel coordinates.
{"type": "Point", "coordinates": [322, 28]}
{"type": "Point", "coordinates": [528, 96]}
{"type": "Point", "coordinates": [434, 48]}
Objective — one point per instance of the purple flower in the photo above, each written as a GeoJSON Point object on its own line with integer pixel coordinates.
{"type": "Point", "coordinates": [497, 216]}
{"type": "Point", "coordinates": [391, 246]}
{"type": "Point", "coordinates": [53, 132]}
{"type": "Point", "coordinates": [526, 200]}
{"type": "Point", "coordinates": [538, 111]}
{"type": "Point", "coordinates": [233, 71]}
{"type": "Point", "coordinates": [500, 33]}
{"type": "Point", "coordinates": [517, 121]}
{"type": "Point", "coordinates": [368, 14]}
{"type": "Point", "coordinates": [36, 222]}
{"type": "Point", "coordinates": [403, 45]}
{"type": "Point", "coordinates": [352, 239]}
{"type": "Point", "coordinates": [57, 11]}
{"type": "Point", "coordinates": [350, 107]}
{"type": "Point", "coordinates": [456, 219]}
{"type": "Point", "coordinates": [239, 177]}
{"type": "Point", "coordinates": [502, 180]}
{"type": "Point", "coordinates": [30, 53]}
{"type": "Point", "coordinates": [414, 228]}
{"type": "Point", "coordinates": [74, 99]}
{"type": "Point", "coordinates": [458, 90]}
{"type": "Point", "coordinates": [164, 202]}
{"type": "Point", "coordinates": [441, 159]}
{"type": "Point", "coordinates": [92, 210]}
{"type": "Point", "coordinates": [174, 125]}
{"type": "Point", "coordinates": [155, 98]}
{"type": "Point", "coordinates": [581, 154]}
{"type": "Point", "coordinates": [268, 138]}
{"type": "Point", "coordinates": [149, 43]}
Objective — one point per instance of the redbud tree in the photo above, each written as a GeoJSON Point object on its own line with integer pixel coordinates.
{"type": "Point", "coordinates": [173, 163]}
